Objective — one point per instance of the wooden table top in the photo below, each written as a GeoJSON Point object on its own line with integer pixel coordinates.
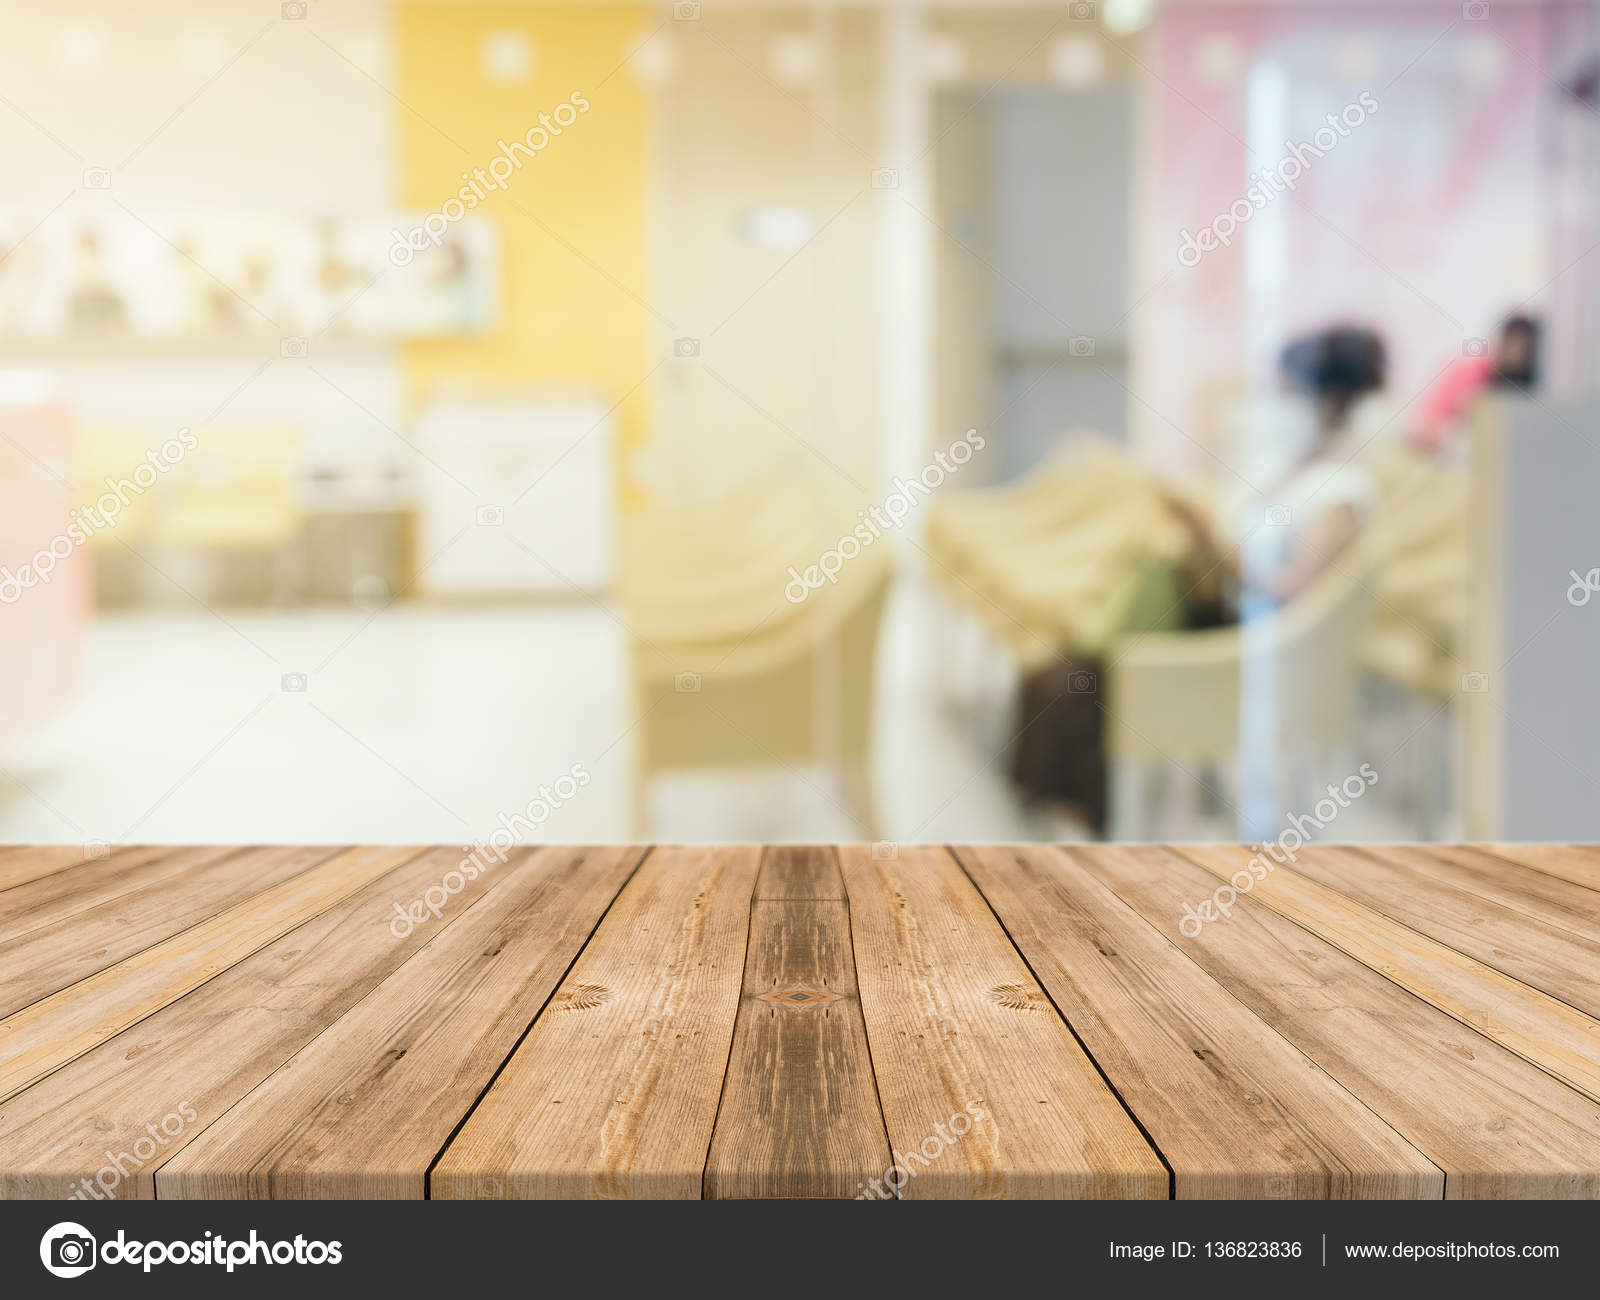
{"type": "Point", "coordinates": [1095, 1021]}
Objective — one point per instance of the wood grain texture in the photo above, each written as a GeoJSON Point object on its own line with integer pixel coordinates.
{"type": "Point", "coordinates": [189, 888]}
{"type": "Point", "coordinates": [364, 1108]}
{"type": "Point", "coordinates": [796, 873]}
{"type": "Point", "coordinates": [1453, 904]}
{"type": "Point", "coordinates": [209, 1049]}
{"type": "Point", "coordinates": [1235, 1109]}
{"type": "Point", "coordinates": [50, 895]}
{"type": "Point", "coordinates": [22, 863]}
{"type": "Point", "coordinates": [613, 1094]}
{"type": "Point", "coordinates": [799, 1115]}
{"type": "Point", "coordinates": [52, 1031]}
{"type": "Point", "coordinates": [961, 1033]}
{"type": "Point", "coordinates": [1498, 1126]}
{"type": "Point", "coordinates": [1542, 1029]}
{"type": "Point", "coordinates": [1577, 863]}
{"type": "Point", "coordinates": [728, 1021]}
{"type": "Point", "coordinates": [1541, 895]}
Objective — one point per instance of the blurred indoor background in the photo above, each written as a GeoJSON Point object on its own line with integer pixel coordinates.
{"type": "Point", "coordinates": [736, 419]}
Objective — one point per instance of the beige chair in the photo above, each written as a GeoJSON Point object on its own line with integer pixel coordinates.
{"type": "Point", "coordinates": [1079, 551]}
{"type": "Point", "coordinates": [234, 498]}
{"type": "Point", "coordinates": [1420, 551]}
{"type": "Point", "coordinates": [967, 528]}
{"type": "Point", "coordinates": [1174, 697]}
{"type": "Point", "coordinates": [114, 452]}
{"type": "Point", "coordinates": [727, 672]}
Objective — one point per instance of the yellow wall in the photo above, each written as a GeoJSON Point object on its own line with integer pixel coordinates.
{"type": "Point", "coordinates": [573, 262]}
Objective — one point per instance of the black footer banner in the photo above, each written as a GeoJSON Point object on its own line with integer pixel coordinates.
{"type": "Point", "coordinates": [326, 1247]}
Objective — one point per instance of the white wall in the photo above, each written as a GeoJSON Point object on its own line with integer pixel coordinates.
{"type": "Point", "coordinates": [193, 105]}
{"type": "Point", "coordinates": [788, 368]}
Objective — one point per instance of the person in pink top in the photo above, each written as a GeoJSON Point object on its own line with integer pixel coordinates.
{"type": "Point", "coordinates": [1514, 365]}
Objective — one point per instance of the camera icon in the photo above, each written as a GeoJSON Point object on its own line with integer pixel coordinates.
{"type": "Point", "coordinates": [1080, 346]}
{"type": "Point", "coordinates": [1475, 683]}
{"type": "Point", "coordinates": [293, 682]}
{"type": "Point", "coordinates": [1475, 11]}
{"type": "Point", "coordinates": [96, 178]}
{"type": "Point", "coordinates": [1082, 10]}
{"type": "Point", "coordinates": [885, 178]}
{"type": "Point", "coordinates": [885, 851]}
{"type": "Point", "coordinates": [491, 516]}
{"type": "Point", "coordinates": [1278, 516]}
{"type": "Point", "coordinates": [686, 11]}
{"type": "Point", "coordinates": [685, 347]}
{"type": "Point", "coordinates": [68, 1250]}
{"type": "Point", "coordinates": [1475, 347]}
{"type": "Point", "coordinates": [96, 849]}
{"type": "Point", "coordinates": [687, 683]}
{"type": "Point", "coordinates": [1082, 682]}
{"type": "Point", "coordinates": [293, 347]}
{"type": "Point", "coordinates": [293, 10]}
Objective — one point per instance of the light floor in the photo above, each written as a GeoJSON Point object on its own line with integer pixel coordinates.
{"type": "Point", "coordinates": [423, 723]}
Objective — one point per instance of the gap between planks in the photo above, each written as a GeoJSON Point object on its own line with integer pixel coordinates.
{"type": "Point", "coordinates": [1542, 1029]}
{"type": "Point", "coordinates": [1190, 1063]}
{"type": "Point", "coordinates": [38, 1039]}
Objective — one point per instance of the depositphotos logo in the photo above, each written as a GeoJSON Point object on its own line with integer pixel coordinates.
{"type": "Point", "coordinates": [69, 1250]}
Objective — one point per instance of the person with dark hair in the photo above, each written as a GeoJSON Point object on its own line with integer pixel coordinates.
{"type": "Point", "coordinates": [1516, 364]}
{"type": "Point", "coordinates": [1512, 367]}
{"type": "Point", "coordinates": [1320, 499]}
{"type": "Point", "coordinates": [1335, 368]}
{"type": "Point", "coordinates": [1308, 500]}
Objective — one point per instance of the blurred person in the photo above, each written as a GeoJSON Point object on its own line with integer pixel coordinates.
{"type": "Point", "coordinates": [1258, 553]}
{"type": "Point", "coordinates": [1513, 365]}
{"type": "Point", "coordinates": [1309, 498]}
{"type": "Point", "coordinates": [1320, 499]}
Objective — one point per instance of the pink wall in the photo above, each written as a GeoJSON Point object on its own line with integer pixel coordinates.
{"type": "Point", "coordinates": [41, 627]}
{"type": "Point", "coordinates": [1428, 220]}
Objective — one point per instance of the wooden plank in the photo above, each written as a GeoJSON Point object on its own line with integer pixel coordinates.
{"type": "Point", "coordinates": [52, 1031]}
{"type": "Point", "coordinates": [319, 1053]}
{"type": "Point", "coordinates": [1235, 1109]}
{"type": "Point", "coordinates": [1578, 863]}
{"type": "Point", "coordinates": [614, 1092]}
{"type": "Point", "coordinates": [984, 1090]}
{"type": "Point", "coordinates": [794, 873]}
{"type": "Point", "coordinates": [78, 944]}
{"type": "Point", "coordinates": [28, 862]}
{"type": "Point", "coordinates": [799, 1114]}
{"type": "Point", "coordinates": [363, 1110]}
{"type": "Point", "coordinates": [1498, 1126]}
{"type": "Point", "coordinates": [201, 1054]}
{"type": "Point", "coordinates": [1431, 896]}
{"type": "Point", "coordinates": [1522, 888]}
{"type": "Point", "coordinates": [1553, 1035]}
{"type": "Point", "coordinates": [54, 894]}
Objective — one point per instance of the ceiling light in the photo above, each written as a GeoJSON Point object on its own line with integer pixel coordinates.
{"type": "Point", "coordinates": [654, 59]}
{"type": "Point", "coordinates": [507, 57]}
{"type": "Point", "coordinates": [1077, 60]}
{"type": "Point", "coordinates": [796, 58]}
{"type": "Point", "coordinates": [1125, 17]}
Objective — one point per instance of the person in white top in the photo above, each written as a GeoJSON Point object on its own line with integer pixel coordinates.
{"type": "Point", "coordinates": [1319, 505]}
{"type": "Point", "coordinates": [1301, 497]}
{"type": "Point", "coordinates": [1303, 500]}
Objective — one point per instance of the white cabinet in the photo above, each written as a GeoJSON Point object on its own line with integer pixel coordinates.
{"type": "Point", "coordinates": [520, 495]}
